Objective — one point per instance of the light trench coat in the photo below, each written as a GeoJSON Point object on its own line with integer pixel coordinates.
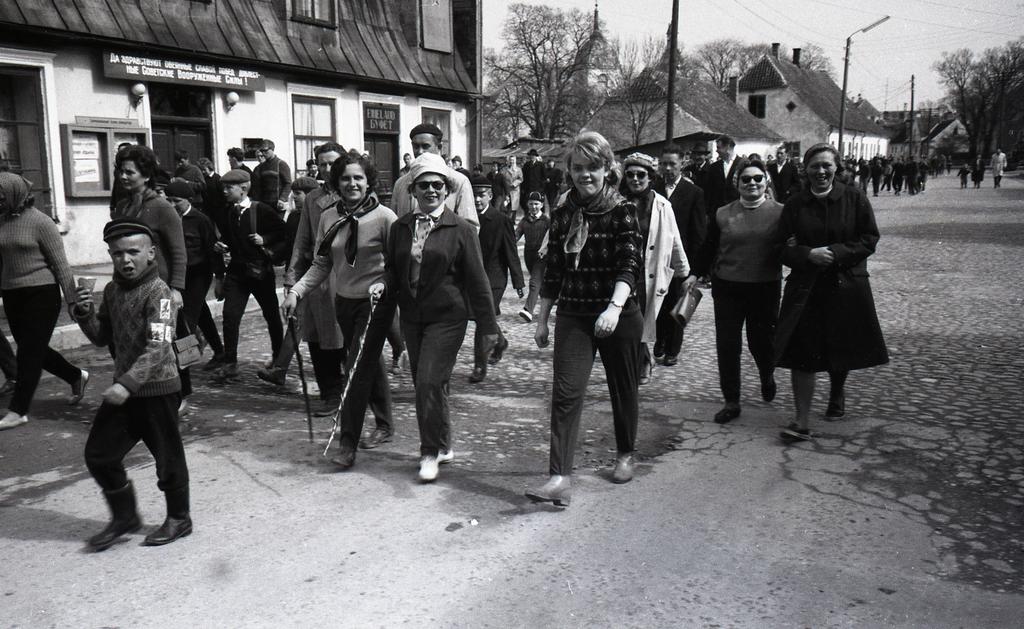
{"type": "Point", "coordinates": [664, 259]}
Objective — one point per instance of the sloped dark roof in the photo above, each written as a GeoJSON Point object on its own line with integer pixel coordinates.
{"type": "Point", "coordinates": [700, 108]}
{"type": "Point", "coordinates": [816, 89]}
{"type": "Point", "coordinates": [368, 43]}
{"type": "Point", "coordinates": [939, 128]}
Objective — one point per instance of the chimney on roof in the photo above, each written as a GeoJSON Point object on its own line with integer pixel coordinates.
{"type": "Point", "coordinates": [733, 91]}
{"type": "Point", "coordinates": [775, 49]}
{"type": "Point", "coordinates": [796, 57]}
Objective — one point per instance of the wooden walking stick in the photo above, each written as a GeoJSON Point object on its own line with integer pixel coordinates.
{"type": "Point", "coordinates": [302, 375]}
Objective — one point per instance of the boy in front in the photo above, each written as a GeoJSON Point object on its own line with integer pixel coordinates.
{"type": "Point", "coordinates": [138, 319]}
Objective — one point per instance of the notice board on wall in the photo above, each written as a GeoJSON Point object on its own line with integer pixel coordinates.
{"type": "Point", "coordinates": [88, 152]}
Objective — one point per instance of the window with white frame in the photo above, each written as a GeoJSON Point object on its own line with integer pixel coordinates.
{"type": "Point", "coordinates": [442, 118]}
{"type": "Point", "coordinates": [319, 11]}
{"type": "Point", "coordinates": [313, 124]}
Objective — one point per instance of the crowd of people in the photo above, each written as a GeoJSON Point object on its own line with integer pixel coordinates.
{"type": "Point", "coordinates": [613, 250]}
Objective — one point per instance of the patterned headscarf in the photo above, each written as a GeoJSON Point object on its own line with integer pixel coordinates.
{"type": "Point", "coordinates": [16, 189]}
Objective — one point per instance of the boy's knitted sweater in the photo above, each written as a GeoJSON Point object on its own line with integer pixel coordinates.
{"type": "Point", "coordinates": [137, 317]}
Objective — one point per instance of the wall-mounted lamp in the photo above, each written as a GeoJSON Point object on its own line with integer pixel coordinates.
{"type": "Point", "coordinates": [138, 91]}
{"type": "Point", "coordinates": [230, 100]}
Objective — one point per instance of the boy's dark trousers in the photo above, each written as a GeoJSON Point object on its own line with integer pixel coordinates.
{"type": "Point", "coordinates": [237, 289]}
{"type": "Point", "coordinates": [117, 429]}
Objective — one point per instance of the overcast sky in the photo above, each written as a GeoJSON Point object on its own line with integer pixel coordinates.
{"type": "Point", "coordinates": [882, 59]}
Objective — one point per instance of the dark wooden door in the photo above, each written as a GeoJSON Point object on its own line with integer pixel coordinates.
{"type": "Point", "coordinates": [170, 138]}
{"type": "Point", "coordinates": [384, 153]}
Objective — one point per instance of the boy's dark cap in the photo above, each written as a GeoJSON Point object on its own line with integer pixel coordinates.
{"type": "Point", "coordinates": [178, 189]}
{"type": "Point", "coordinates": [479, 181]}
{"type": "Point", "coordinates": [121, 227]}
{"type": "Point", "coordinates": [535, 196]}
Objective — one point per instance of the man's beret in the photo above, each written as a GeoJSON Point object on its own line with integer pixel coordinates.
{"type": "Point", "coordinates": [426, 127]}
{"type": "Point", "coordinates": [235, 176]}
{"type": "Point", "coordinates": [124, 226]}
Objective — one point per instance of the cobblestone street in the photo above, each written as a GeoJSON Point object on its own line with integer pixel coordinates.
{"type": "Point", "coordinates": [908, 512]}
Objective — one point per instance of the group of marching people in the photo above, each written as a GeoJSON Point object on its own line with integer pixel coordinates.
{"type": "Point", "coordinates": [606, 264]}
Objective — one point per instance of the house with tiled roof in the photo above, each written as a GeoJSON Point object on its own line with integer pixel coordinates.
{"type": "Point", "coordinates": [947, 137]}
{"type": "Point", "coordinates": [803, 107]}
{"type": "Point", "coordinates": [78, 77]}
{"type": "Point", "coordinates": [701, 113]}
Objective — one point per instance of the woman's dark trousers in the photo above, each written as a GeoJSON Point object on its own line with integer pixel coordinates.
{"type": "Point", "coordinates": [32, 314]}
{"type": "Point", "coordinates": [368, 380]}
{"type": "Point", "coordinates": [736, 303]}
{"type": "Point", "coordinates": [575, 348]}
{"type": "Point", "coordinates": [433, 348]}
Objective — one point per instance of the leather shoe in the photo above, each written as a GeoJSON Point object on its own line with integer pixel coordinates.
{"type": "Point", "coordinates": [670, 361]}
{"type": "Point", "coordinates": [377, 437]}
{"type": "Point", "coordinates": [78, 388]}
{"type": "Point", "coordinates": [327, 408]}
{"type": "Point", "coordinates": [214, 363]}
{"type": "Point", "coordinates": [228, 371]}
{"type": "Point", "coordinates": [173, 528]}
{"type": "Point", "coordinates": [646, 371]}
{"type": "Point", "coordinates": [498, 351]}
{"type": "Point", "coordinates": [727, 414]}
{"type": "Point", "coordinates": [558, 491]}
{"type": "Point", "coordinates": [623, 469]}
{"type": "Point", "coordinates": [346, 458]}
{"type": "Point", "coordinates": [428, 469]}
{"type": "Point", "coordinates": [768, 389]}
{"type": "Point", "coordinates": [479, 374]}
{"type": "Point", "coordinates": [836, 405]}
{"type": "Point", "coordinates": [124, 518]}
{"type": "Point", "coordinates": [273, 375]}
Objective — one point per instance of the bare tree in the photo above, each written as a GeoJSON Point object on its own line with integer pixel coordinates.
{"type": "Point", "coordinates": [639, 86]}
{"type": "Point", "coordinates": [981, 89]}
{"type": "Point", "coordinates": [717, 60]}
{"type": "Point", "coordinates": [539, 79]}
{"type": "Point", "coordinates": [814, 57]}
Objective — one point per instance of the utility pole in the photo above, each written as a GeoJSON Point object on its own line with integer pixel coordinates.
{"type": "Point", "coordinates": [670, 106]}
{"type": "Point", "coordinates": [910, 142]}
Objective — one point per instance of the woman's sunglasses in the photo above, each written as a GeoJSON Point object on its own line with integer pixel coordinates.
{"type": "Point", "coordinates": [423, 186]}
{"type": "Point", "coordinates": [636, 174]}
{"type": "Point", "coordinates": [754, 178]}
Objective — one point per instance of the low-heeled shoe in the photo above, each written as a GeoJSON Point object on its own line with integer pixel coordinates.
{"type": "Point", "coordinates": [727, 414]}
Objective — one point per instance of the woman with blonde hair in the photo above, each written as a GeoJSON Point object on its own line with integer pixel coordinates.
{"type": "Point", "coordinates": [594, 264]}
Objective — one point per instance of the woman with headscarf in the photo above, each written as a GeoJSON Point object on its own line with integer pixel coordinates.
{"type": "Point", "coordinates": [739, 255]}
{"type": "Point", "coordinates": [351, 239]}
{"type": "Point", "coordinates": [33, 266]}
{"type": "Point", "coordinates": [662, 248]}
{"type": "Point", "coordinates": [828, 320]}
{"type": "Point", "coordinates": [435, 275]}
{"type": "Point", "coordinates": [593, 269]}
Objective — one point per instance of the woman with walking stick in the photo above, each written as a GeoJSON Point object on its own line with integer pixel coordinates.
{"type": "Point", "coordinates": [351, 240]}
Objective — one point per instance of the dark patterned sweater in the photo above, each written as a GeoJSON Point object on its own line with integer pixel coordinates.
{"type": "Point", "coordinates": [137, 317]}
{"type": "Point", "coordinates": [611, 254]}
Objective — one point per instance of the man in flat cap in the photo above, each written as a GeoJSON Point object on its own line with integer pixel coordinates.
{"type": "Point", "coordinates": [426, 138]}
{"type": "Point", "coordinates": [533, 178]}
{"type": "Point", "coordinates": [498, 248]}
{"type": "Point", "coordinates": [137, 318]}
{"type": "Point", "coordinates": [255, 235]}
{"type": "Point", "coordinates": [272, 179]}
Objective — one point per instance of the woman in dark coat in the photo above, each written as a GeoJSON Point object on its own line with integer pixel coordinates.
{"type": "Point", "coordinates": [828, 321]}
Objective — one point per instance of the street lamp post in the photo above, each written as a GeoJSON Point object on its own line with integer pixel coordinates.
{"type": "Point", "coordinates": [846, 74]}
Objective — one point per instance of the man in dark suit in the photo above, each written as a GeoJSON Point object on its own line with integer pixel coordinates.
{"type": "Point", "coordinates": [552, 183]}
{"type": "Point", "coordinates": [534, 177]}
{"type": "Point", "coordinates": [785, 176]}
{"type": "Point", "coordinates": [697, 169]}
{"type": "Point", "coordinates": [720, 189]}
{"type": "Point", "coordinates": [498, 249]}
{"type": "Point", "coordinates": [691, 218]}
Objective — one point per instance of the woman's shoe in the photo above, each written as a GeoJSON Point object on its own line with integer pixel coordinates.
{"type": "Point", "coordinates": [793, 434]}
{"type": "Point", "coordinates": [12, 420]}
{"type": "Point", "coordinates": [8, 387]}
{"type": "Point", "coordinates": [428, 469]}
{"type": "Point", "coordinates": [623, 469]}
{"type": "Point", "coordinates": [768, 388]}
{"type": "Point", "coordinates": [727, 414]}
{"type": "Point", "coordinates": [78, 388]}
{"type": "Point", "coordinates": [646, 371]}
{"type": "Point", "coordinates": [558, 490]}
{"type": "Point", "coordinates": [836, 405]}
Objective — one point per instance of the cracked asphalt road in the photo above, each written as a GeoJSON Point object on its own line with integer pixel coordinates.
{"type": "Point", "coordinates": [908, 512]}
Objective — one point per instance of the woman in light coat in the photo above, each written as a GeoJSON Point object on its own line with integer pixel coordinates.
{"type": "Point", "coordinates": [664, 257]}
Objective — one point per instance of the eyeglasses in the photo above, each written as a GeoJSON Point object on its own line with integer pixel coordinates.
{"type": "Point", "coordinates": [754, 178]}
{"type": "Point", "coordinates": [636, 174]}
{"type": "Point", "coordinates": [423, 186]}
